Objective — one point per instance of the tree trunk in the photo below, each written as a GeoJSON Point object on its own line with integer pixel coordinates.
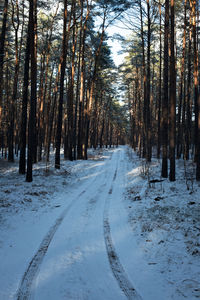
{"type": "Point", "coordinates": [172, 117]}
{"type": "Point", "coordinates": [187, 99]}
{"type": "Point", "coordinates": [70, 110]}
{"type": "Point", "coordinates": [32, 120]}
{"type": "Point", "coordinates": [60, 106]}
{"type": "Point", "coordinates": [165, 96]}
{"type": "Point", "coordinates": [182, 84]}
{"type": "Point", "coordinates": [82, 83]}
{"type": "Point", "coordinates": [14, 93]}
{"type": "Point", "coordinates": [148, 117]}
{"type": "Point", "coordinates": [22, 161]}
{"type": "Point", "coordinates": [52, 114]}
{"type": "Point", "coordinates": [160, 87]}
{"type": "Point", "coordinates": [77, 104]}
{"type": "Point", "coordinates": [2, 43]}
{"type": "Point", "coordinates": [144, 82]}
{"type": "Point", "coordinates": [196, 94]}
{"type": "Point", "coordinates": [41, 104]}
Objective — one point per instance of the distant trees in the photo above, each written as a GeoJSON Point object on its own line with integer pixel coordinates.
{"type": "Point", "coordinates": [169, 73]}
{"type": "Point", "coordinates": [58, 82]}
{"type": "Point", "coordinates": [62, 80]}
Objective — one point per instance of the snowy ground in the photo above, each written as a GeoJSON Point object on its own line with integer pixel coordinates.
{"type": "Point", "coordinates": [99, 229]}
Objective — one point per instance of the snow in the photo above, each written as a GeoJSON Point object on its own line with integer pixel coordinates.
{"type": "Point", "coordinates": [99, 229]}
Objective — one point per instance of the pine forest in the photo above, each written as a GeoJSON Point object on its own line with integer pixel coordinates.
{"type": "Point", "coordinates": [100, 149]}
{"type": "Point", "coordinates": [59, 86]}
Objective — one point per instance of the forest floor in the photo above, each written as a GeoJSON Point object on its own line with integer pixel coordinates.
{"type": "Point", "coordinates": [104, 229]}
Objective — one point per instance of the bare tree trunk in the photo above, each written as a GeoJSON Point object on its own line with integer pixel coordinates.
{"type": "Point", "coordinates": [148, 117]}
{"type": "Point", "coordinates": [70, 110]}
{"type": "Point", "coordinates": [40, 121]}
{"type": "Point", "coordinates": [60, 107]}
{"type": "Point", "coordinates": [2, 43]}
{"type": "Point", "coordinates": [196, 93]}
{"type": "Point", "coordinates": [14, 94]}
{"type": "Point", "coordinates": [144, 82]}
{"type": "Point", "coordinates": [172, 117]}
{"type": "Point", "coordinates": [52, 114]}
{"type": "Point", "coordinates": [165, 96]}
{"type": "Point", "coordinates": [82, 83]}
{"type": "Point", "coordinates": [160, 87]}
{"type": "Point", "coordinates": [46, 106]}
{"type": "Point", "coordinates": [187, 99]}
{"type": "Point", "coordinates": [92, 87]}
{"type": "Point", "coordinates": [32, 120]}
{"type": "Point", "coordinates": [22, 161]}
{"type": "Point", "coordinates": [182, 84]}
{"type": "Point", "coordinates": [47, 119]}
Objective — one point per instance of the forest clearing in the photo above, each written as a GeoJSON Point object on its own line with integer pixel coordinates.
{"type": "Point", "coordinates": [99, 149]}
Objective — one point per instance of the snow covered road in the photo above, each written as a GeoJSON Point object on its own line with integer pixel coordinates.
{"type": "Point", "coordinates": [77, 258]}
{"type": "Point", "coordinates": [90, 237]}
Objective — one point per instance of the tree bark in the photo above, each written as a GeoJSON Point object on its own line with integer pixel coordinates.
{"type": "Point", "coordinates": [60, 106]}
{"type": "Point", "coordinates": [22, 161]}
{"type": "Point", "coordinates": [172, 117]}
{"type": "Point", "coordinates": [144, 82]}
{"type": "Point", "coordinates": [196, 94]}
{"type": "Point", "coordinates": [148, 117]}
{"type": "Point", "coordinates": [82, 82]}
{"type": "Point", "coordinates": [15, 82]}
{"type": "Point", "coordinates": [160, 87]}
{"type": "Point", "coordinates": [2, 44]}
{"type": "Point", "coordinates": [187, 98]}
{"type": "Point", "coordinates": [70, 103]}
{"type": "Point", "coordinates": [33, 99]}
{"type": "Point", "coordinates": [164, 172]}
{"type": "Point", "coordinates": [182, 85]}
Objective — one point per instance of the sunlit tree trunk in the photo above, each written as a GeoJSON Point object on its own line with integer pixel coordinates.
{"type": "Point", "coordinates": [182, 86]}
{"type": "Point", "coordinates": [60, 106]}
{"type": "Point", "coordinates": [52, 114]}
{"type": "Point", "coordinates": [92, 87]}
{"type": "Point", "coordinates": [82, 87]}
{"type": "Point", "coordinates": [70, 103]}
{"type": "Point", "coordinates": [22, 161]}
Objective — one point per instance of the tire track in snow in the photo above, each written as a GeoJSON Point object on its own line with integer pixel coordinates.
{"type": "Point", "coordinates": [25, 289]}
{"type": "Point", "coordinates": [115, 264]}
{"type": "Point", "coordinates": [91, 204]}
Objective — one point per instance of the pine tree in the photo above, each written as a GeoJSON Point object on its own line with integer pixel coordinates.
{"type": "Point", "coordinates": [165, 96]}
{"type": "Point", "coordinates": [33, 96]}
{"type": "Point", "coordinates": [172, 117]}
